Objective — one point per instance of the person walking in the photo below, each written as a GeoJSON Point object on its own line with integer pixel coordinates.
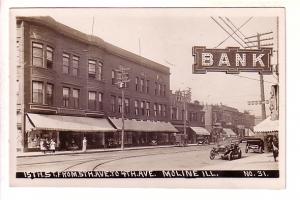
{"type": "Point", "coordinates": [84, 143]}
{"type": "Point", "coordinates": [52, 146]}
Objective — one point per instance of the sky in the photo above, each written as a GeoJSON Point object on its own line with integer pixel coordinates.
{"type": "Point", "coordinates": [167, 35]}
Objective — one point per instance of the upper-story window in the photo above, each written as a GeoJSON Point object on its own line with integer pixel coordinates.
{"type": "Point", "coordinates": [66, 63]}
{"type": "Point", "coordinates": [92, 101]}
{"type": "Point", "coordinates": [142, 85]}
{"type": "Point", "coordinates": [120, 105]}
{"type": "Point", "coordinates": [142, 107]}
{"type": "Point", "coordinates": [159, 89]}
{"type": "Point", "coordinates": [113, 104]}
{"type": "Point", "coordinates": [155, 88]}
{"type": "Point", "coordinates": [174, 113]}
{"type": "Point", "coordinates": [155, 109]}
{"type": "Point", "coordinates": [37, 92]}
{"type": "Point", "coordinates": [37, 54]}
{"type": "Point", "coordinates": [147, 86]}
{"type": "Point", "coordinates": [75, 65]}
{"type": "Point", "coordinates": [76, 98]}
{"type": "Point", "coordinates": [100, 100]}
{"type": "Point", "coordinates": [49, 94]}
{"type": "Point", "coordinates": [113, 77]}
{"type": "Point", "coordinates": [66, 96]}
{"type": "Point", "coordinates": [127, 109]}
{"type": "Point", "coordinates": [164, 111]}
{"type": "Point", "coordinates": [159, 109]}
{"type": "Point", "coordinates": [100, 66]}
{"type": "Point", "coordinates": [136, 83]}
{"type": "Point", "coordinates": [92, 69]}
{"type": "Point", "coordinates": [136, 107]}
{"type": "Point", "coordinates": [49, 57]}
{"type": "Point", "coordinates": [148, 109]}
{"type": "Point", "coordinates": [164, 90]}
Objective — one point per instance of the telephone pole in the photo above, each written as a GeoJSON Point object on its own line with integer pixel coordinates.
{"type": "Point", "coordinates": [122, 77]}
{"type": "Point", "coordinates": [261, 77]}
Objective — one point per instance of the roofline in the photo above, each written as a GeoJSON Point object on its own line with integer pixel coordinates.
{"type": "Point", "coordinates": [51, 23]}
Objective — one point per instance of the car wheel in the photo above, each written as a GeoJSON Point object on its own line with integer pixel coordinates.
{"type": "Point", "coordinates": [212, 155]}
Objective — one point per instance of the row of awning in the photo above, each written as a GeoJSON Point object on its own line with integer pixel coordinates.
{"type": "Point", "coordinates": [88, 124]}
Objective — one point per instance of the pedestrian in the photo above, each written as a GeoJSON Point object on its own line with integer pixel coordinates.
{"type": "Point", "coordinates": [84, 143]}
{"type": "Point", "coordinates": [52, 145]}
{"type": "Point", "coordinates": [275, 149]}
{"type": "Point", "coordinates": [42, 146]}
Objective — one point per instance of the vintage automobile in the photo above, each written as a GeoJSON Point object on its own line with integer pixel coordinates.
{"type": "Point", "coordinates": [228, 152]}
{"type": "Point", "coordinates": [254, 144]}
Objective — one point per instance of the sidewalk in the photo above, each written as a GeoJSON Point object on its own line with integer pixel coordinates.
{"type": "Point", "coordinates": [39, 153]}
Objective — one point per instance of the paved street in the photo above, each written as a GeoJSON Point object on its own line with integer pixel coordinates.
{"type": "Point", "coordinates": [192, 157]}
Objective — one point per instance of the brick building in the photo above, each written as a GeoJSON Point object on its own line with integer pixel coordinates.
{"type": "Point", "coordinates": [195, 120]}
{"type": "Point", "coordinates": [66, 90]}
{"type": "Point", "coordinates": [228, 120]}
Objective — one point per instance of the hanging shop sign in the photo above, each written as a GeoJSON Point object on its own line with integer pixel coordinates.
{"type": "Point", "coordinates": [232, 60]}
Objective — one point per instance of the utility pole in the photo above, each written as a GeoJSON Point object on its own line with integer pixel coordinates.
{"type": "Point", "coordinates": [122, 77]}
{"type": "Point", "coordinates": [261, 77]}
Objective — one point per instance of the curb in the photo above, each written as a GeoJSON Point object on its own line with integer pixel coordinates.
{"type": "Point", "coordinates": [98, 151]}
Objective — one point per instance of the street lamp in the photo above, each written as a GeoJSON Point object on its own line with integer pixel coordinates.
{"type": "Point", "coordinates": [122, 80]}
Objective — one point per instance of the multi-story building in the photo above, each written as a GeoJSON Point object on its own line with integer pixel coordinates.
{"type": "Point", "coordinates": [66, 90]}
{"type": "Point", "coordinates": [195, 121]}
{"type": "Point", "coordinates": [227, 119]}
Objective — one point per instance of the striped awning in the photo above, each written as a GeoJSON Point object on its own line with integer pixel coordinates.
{"type": "Point", "coordinates": [67, 123]}
{"type": "Point", "coordinates": [143, 126]}
{"type": "Point", "coordinates": [229, 132]}
{"type": "Point", "coordinates": [267, 125]}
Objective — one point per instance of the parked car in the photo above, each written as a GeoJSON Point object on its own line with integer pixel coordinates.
{"type": "Point", "coordinates": [255, 144]}
{"type": "Point", "coordinates": [228, 152]}
{"type": "Point", "coordinates": [202, 141]}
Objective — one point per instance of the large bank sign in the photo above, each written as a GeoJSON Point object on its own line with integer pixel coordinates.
{"type": "Point", "coordinates": [232, 60]}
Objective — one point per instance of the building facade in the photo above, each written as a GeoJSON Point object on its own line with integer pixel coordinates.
{"type": "Point", "coordinates": [194, 117]}
{"type": "Point", "coordinates": [62, 72]}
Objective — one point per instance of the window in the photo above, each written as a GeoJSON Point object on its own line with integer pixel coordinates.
{"type": "Point", "coordinates": [174, 113]}
{"type": "Point", "coordinates": [100, 100]}
{"type": "Point", "coordinates": [113, 104]}
{"type": "Point", "coordinates": [49, 56]}
{"type": "Point", "coordinates": [49, 94]}
{"type": "Point", "coordinates": [159, 109]}
{"type": "Point", "coordinates": [155, 109]}
{"type": "Point", "coordinates": [159, 89]}
{"type": "Point", "coordinates": [75, 65]}
{"type": "Point", "coordinates": [113, 77]}
{"type": "Point", "coordinates": [164, 90]}
{"type": "Point", "coordinates": [126, 102]}
{"type": "Point", "coordinates": [155, 88]}
{"type": "Point", "coordinates": [92, 69]}
{"type": "Point", "coordinates": [148, 109]}
{"type": "Point", "coordinates": [37, 92]}
{"type": "Point", "coordinates": [92, 100]}
{"type": "Point", "coordinates": [136, 83]}
{"type": "Point", "coordinates": [120, 105]}
{"type": "Point", "coordinates": [143, 107]}
{"type": "Point", "coordinates": [100, 71]}
{"type": "Point", "coordinates": [66, 63]}
{"type": "Point", "coordinates": [136, 107]}
{"type": "Point", "coordinates": [66, 96]}
{"type": "Point", "coordinates": [142, 85]}
{"type": "Point", "coordinates": [37, 54]}
{"type": "Point", "coordinates": [164, 111]}
{"type": "Point", "coordinates": [147, 86]}
{"type": "Point", "coordinates": [76, 98]}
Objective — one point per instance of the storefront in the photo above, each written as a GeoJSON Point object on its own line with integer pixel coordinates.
{"type": "Point", "coordinates": [268, 131]}
{"type": "Point", "coordinates": [67, 131]}
{"type": "Point", "coordinates": [202, 134]}
{"type": "Point", "coordinates": [144, 133]}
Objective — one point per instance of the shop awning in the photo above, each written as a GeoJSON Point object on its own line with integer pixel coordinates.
{"type": "Point", "coordinates": [229, 132]}
{"type": "Point", "coordinates": [67, 123]}
{"type": "Point", "coordinates": [267, 125]}
{"type": "Point", "coordinates": [143, 126]}
{"type": "Point", "coordinates": [200, 131]}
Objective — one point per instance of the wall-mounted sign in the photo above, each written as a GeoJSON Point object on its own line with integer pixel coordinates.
{"type": "Point", "coordinates": [232, 60]}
